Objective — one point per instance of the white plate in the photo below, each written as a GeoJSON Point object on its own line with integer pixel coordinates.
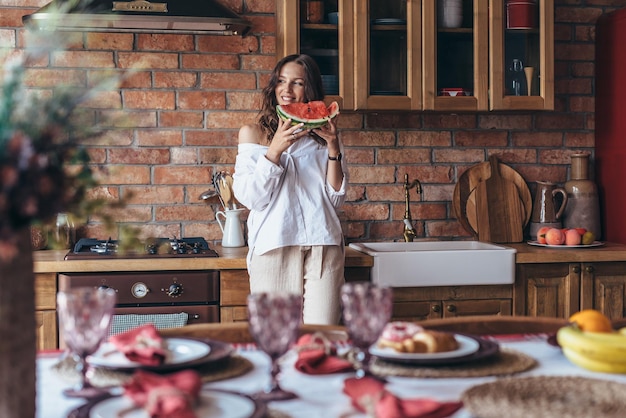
{"type": "Point", "coordinates": [182, 350]}
{"type": "Point", "coordinates": [467, 346]}
{"type": "Point", "coordinates": [388, 21]}
{"type": "Point", "coordinates": [212, 403]}
{"type": "Point", "coordinates": [593, 244]}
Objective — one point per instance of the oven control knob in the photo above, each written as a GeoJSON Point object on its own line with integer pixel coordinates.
{"type": "Point", "coordinates": [175, 290]}
{"type": "Point", "coordinates": [139, 290]}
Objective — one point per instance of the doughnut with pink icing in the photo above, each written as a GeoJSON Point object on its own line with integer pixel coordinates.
{"type": "Point", "coordinates": [399, 331]}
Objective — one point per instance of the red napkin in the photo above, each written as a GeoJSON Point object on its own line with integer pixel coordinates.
{"type": "Point", "coordinates": [165, 396]}
{"type": "Point", "coordinates": [316, 355]}
{"type": "Point", "coordinates": [369, 395]}
{"type": "Point", "coordinates": [142, 344]}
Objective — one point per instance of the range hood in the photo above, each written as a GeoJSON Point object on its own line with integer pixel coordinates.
{"type": "Point", "coordinates": [169, 16]}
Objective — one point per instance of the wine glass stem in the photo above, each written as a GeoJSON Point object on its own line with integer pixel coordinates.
{"type": "Point", "coordinates": [363, 360]}
{"type": "Point", "coordinates": [274, 376]}
{"type": "Point", "coordinates": [83, 368]}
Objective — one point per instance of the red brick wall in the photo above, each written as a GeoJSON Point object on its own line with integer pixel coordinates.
{"type": "Point", "coordinates": [181, 111]}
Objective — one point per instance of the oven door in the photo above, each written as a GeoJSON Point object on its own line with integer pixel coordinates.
{"type": "Point", "coordinates": [162, 317]}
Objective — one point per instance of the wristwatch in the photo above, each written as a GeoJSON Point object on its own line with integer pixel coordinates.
{"type": "Point", "coordinates": [337, 158]}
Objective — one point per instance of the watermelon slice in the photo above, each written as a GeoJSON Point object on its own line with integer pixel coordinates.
{"type": "Point", "coordinates": [312, 114]}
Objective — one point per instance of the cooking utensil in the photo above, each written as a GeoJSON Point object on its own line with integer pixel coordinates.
{"type": "Point", "coordinates": [499, 210]}
{"type": "Point", "coordinates": [229, 183]}
{"type": "Point", "coordinates": [217, 184]}
{"type": "Point", "coordinates": [464, 197]}
{"type": "Point", "coordinates": [227, 193]}
{"type": "Point", "coordinates": [206, 195]}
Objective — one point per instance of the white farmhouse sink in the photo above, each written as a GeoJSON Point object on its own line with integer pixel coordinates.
{"type": "Point", "coordinates": [439, 263]}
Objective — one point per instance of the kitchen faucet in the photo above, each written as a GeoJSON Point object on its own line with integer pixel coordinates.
{"type": "Point", "coordinates": [409, 231]}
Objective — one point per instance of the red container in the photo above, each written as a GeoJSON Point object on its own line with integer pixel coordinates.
{"type": "Point", "coordinates": [521, 14]}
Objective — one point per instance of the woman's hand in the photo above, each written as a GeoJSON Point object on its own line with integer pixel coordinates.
{"type": "Point", "coordinates": [328, 133]}
{"type": "Point", "coordinates": [285, 135]}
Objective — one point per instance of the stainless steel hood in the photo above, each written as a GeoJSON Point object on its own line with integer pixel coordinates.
{"type": "Point", "coordinates": [168, 16]}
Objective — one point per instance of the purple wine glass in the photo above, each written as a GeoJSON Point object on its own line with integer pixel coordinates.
{"type": "Point", "coordinates": [366, 310]}
{"type": "Point", "coordinates": [85, 317]}
{"type": "Point", "coordinates": [274, 320]}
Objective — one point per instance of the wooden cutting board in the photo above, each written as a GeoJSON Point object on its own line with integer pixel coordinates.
{"type": "Point", "coordinates": [508, 219]}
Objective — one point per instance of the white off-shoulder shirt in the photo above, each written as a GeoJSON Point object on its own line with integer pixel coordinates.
{"type": "Point", "coordinates": [291, 203]}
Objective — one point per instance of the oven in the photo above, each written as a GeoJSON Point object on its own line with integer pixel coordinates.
{"type": "Point", "coordinates": [165, 298]}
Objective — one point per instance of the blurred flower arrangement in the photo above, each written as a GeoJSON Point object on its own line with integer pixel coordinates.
{"type": "Point", "coordinates": [44, 166]}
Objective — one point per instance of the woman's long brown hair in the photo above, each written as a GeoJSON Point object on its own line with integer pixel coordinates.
{"type": "Point", "coordinates": [313, 90]}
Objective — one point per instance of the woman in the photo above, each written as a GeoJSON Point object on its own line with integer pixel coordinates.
{"type": "Point", "coordinates": [293, 180]}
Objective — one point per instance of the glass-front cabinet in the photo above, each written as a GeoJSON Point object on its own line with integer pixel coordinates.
{"type": "Point", "coordinates": [522, 54]}
{"type": "Point", "coordinates": [456, 57]}
{"type": "Point", "coordinates": [444, 55]}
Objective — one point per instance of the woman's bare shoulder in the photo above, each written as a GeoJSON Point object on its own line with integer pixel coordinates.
{"type": "Point", "coordinates": [250, 134]}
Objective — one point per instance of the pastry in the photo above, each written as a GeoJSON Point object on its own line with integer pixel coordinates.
{"type": "Point", "coordinates": [408, 337]}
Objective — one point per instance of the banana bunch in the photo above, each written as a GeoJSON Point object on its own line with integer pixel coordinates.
{"type": "Point", "coordinates": [603, 352]}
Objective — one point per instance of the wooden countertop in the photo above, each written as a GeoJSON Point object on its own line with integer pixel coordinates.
{"type": "Point", "coordinates": [532, 254]}
{"type": "Point", "coordinates": [52, 261]}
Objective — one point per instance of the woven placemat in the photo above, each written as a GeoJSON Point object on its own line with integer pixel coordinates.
{"type": "Point", "coordinates": [547, 397]}
{"type": "Point", "coordinates": [232, 366]}
{"type": "Point", "coordinates": [505, 362]}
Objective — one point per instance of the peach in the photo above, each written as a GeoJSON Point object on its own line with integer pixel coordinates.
{"type": "Point", "coordinates": [541, 234]}
{"type": "Point", "coordinates": [555, 236]}
{"type": "Point", "coordinates": [572, 237]}
{"type": "Point", "coordinates": [581, 231]}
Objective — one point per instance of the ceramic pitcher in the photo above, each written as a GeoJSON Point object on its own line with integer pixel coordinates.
{"type": "Point", "coordinates": [545, 209]}
{"type": "Point", "coordinates": [230, 224]}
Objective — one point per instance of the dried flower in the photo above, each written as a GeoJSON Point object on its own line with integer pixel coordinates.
{"type": "Point", "coordinates": [44, 167]}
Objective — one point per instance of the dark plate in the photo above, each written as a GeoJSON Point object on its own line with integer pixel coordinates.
{"type": "Point", "coordinates": [219, 351]}
{"type": "Point", "coordinates": [487, 348]}
{"type": "Point", "coordinates": [259, 409]}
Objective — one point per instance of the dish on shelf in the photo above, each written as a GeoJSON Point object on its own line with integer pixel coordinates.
{"type": "Point", "coordinates": [563, 246]}
{"type": "Point", "coordinates": [454, 92]}
{"type": "Point", "coordinates": [467, 346]}
{"type": "Point", "coordinates": [185, 353]}
{"type": "Point", "coordinates": [388, 21]}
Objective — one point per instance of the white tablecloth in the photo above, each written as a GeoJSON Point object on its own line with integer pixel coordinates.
{"type": "Point", "coordinates": [321, 396]}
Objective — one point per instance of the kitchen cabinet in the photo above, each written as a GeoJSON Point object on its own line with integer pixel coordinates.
{"type": "Point", "coordinates": [547, 289]}
{"type": "Point", "coordinates": [403, 54]}
{"type": "Point", "coordinates": [419, 303]}
{"type": "Point", "coordinates": [45, 311]}
{"type": "Point", "coordinates": [235, 289]}
{"type": "Point", "coordinates": [562, 289]}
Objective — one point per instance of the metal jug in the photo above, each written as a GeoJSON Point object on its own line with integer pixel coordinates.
{"type": "Point", "coordinates": [545, 212]}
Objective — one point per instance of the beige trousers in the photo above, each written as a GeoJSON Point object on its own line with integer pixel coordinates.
{"type": "Point", "coordinates": [316, 272]}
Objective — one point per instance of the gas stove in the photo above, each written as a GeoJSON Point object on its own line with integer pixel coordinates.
{"type": "Point", "coordinates": [90, 248]}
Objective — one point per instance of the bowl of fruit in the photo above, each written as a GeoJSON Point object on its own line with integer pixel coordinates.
{"type": "Point", "coordinates": [565, 238]}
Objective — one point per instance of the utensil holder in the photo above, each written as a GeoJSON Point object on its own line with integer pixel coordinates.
{"type": "Point", "coordinates": [230, 224]}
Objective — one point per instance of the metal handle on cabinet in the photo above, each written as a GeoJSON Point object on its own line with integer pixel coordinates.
{"type": "Point", "coordinates": [450, 308]}
{"type": "Point", "coordinates": [436, 308]}
{"type": "Point", "coordinates": [576, 269]}
{"type": "Point", "coordinates": [589, 269]}
{"type": "Point", "coordinates": [195, 316]}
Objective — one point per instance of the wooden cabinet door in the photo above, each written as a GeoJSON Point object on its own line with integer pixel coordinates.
{"type": "Point", "coordinates": [476, 307]}
{"type": "Point", "coordinates": [416, 310]}
{"type": "Point", "coordinates": [549, 289]}
{"type": "Point", "coordinates": [329, 44]}
{"type": "Point", "coordinates": [45, 311]}
{"type": "Point", "coordinates": [603, 287]}
{"type": "Point", "coordinates": [456, 58]}
{"type": "Point", "coordinates": [46, 330]}
{"type": "Point", "coordinates": [533, 47]}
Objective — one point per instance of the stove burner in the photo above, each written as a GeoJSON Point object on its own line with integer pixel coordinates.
{"type": "Point", "coordinates": [154, 247]}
